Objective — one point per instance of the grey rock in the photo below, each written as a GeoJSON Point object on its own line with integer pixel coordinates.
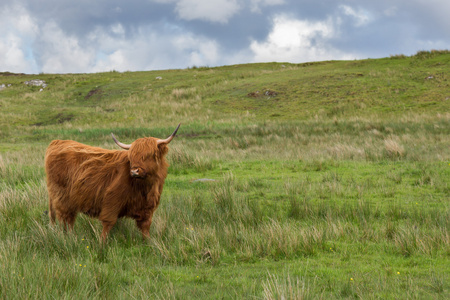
{"type": "Point", "coordinates": [36, 82]}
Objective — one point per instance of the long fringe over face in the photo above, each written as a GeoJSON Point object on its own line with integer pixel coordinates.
{"type": "Point", "coordinates": [147, 155]}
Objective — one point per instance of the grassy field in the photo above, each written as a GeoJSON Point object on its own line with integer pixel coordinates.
{"type": "Point", "coordinates": [324, 180]}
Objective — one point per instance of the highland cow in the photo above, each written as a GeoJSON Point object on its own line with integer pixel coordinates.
{"type": "Point", "coordinates": [106, 184]}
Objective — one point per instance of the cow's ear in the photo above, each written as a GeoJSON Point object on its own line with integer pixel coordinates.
{"type": "Point", "coordinates": [163, 149]}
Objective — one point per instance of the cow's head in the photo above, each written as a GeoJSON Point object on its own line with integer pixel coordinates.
{"type": "Point", "coordinates": [146, 155]}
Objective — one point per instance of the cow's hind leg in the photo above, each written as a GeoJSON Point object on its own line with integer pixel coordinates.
{"type": "Point", "coordinates": [70, 221]}
{"type": "Point", "coordinates": [66, 219]}
{"type": "Point", "coordinates": [51, 211]}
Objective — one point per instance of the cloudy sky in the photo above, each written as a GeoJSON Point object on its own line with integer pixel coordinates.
{"type": "Point", "coordinates": [84, 36]}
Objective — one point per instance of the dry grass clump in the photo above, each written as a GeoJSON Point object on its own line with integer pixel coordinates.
{"type": "Point", "coordinates": [2, 164]}
{"type": "Point", "coordinates": [393, 148]}
{"type": "Point", "coordinates": [346, 151]}
{"type": "Point", "coordinates": [285, 288]}
{"type": "Point", "coordinates": [184, 93]}
{"type": "Point", "coordinates": [398, 56]}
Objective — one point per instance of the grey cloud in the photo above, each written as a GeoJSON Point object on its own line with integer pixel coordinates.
{"type": "Point", "coordinates": [117, 33]}
{"type": "Point", "coordinates": [215, 11]}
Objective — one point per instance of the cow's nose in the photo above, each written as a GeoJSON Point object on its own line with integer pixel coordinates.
{"type": "Point", "coordinates": [134, 172]}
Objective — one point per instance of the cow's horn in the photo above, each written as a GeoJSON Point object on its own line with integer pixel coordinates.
{"type": "Point", "coordinates": [121, 145]}
{"type": "Point", "coordinates": [166, 141]}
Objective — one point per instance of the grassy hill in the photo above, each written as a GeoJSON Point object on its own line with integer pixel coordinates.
{"type": "Point", "coordinates": [325, 180]}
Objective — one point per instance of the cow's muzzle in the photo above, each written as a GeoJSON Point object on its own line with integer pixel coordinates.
{"type": "Point", "coordinates": [137, 173]}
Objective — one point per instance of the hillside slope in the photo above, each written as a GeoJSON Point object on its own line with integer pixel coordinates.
{"type": "Point", "coordinates": [326, 180]}
{"type": "Point", "coordinates": [374, 88]}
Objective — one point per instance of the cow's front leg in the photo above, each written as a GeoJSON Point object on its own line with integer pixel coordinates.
{"type": "Point", "coordinates": [144, 224]}
{"type": "Point", "coordinates": [145, 218]}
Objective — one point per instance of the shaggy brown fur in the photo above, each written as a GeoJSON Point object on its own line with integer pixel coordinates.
{"type": "Point", "coordinates": [105, 184]}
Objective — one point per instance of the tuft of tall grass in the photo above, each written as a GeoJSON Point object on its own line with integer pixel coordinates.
{"type": "Point", "coordinates": [393, 149]}
{"type": "Point", "coordinates": [423, 54]}
{"type": "Point", "coordinates": [184, 92]}
{"type": "Point", "coordinates": [288, 287]}
{"type": "Point", "coordinates": [181, 159]}
{"type": "Point", "coordinates": [231, 206]}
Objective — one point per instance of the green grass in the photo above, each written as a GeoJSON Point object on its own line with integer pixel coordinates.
{"type": "Point", "coordinates": [333, 185]}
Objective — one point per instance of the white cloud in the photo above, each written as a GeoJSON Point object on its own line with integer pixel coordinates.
{"type": "Point", "coordinates": [360, 16]}
{"type": "Point", "coordinates": [118, 29]}
{"type": "Point", "coordinates": [200, 50]}
{"type": "Point", "coordinates": [158, 52]}
{"type": "Point", "coordinates": [294, 40]}
{"type": "Point", "coordinates": [151, 50]}
{"type": "Point", "coordinates": [18, 34]}
{"type": "Point", "coordinates": [31, 48]}
{"type": "Point", "coordinates": [215, 11]}
{"type": "Point", "coordinates": [62, 53]}
{"type": "Point", "coordinates": [12, 57]}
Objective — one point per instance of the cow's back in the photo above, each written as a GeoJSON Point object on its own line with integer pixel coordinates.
{"type": "Point", "coordinates": [63, 159]}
